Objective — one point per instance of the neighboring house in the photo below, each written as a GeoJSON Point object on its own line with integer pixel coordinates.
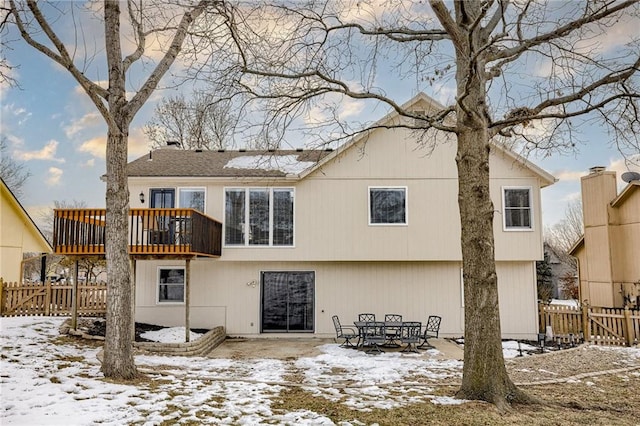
{"type": "Point", "coordinates": [370, 227]}
{"type": "Point", "coordinates": [609, 252]}
{"type": "Point", "coordinates": [18, 235]}
{"type": "Point", "coordinates": [562, 269]}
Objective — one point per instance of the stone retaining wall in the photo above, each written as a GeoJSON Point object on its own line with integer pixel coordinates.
{"type": "Point", "coordinates": [200, 347]}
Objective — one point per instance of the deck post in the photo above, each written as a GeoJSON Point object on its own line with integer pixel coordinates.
{"type": "Point", "coordinates": [187, 278]}
{"type": "Point", "coordinates": [74, 295]}
{"type": "Point", "coordinates": [133, 298]}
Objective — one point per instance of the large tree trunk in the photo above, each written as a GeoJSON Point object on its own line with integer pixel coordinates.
{"type": "Point", "coordinates": [484, 374]}
{"type": "Point", "coordinates": [118, 350]}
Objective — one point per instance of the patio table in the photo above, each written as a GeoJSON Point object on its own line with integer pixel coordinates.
{"type": "Point", "coordinates": [387, 325]}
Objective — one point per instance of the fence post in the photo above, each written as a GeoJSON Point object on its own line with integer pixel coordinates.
{"type": "Point", "coordinates": [1, 297]}
{"type": "Point", "coordinates": [586, 323]}
{"type": "Point", "coordinates": [47, 298]}
{"type": "Point", "coordinates": [627, 327]}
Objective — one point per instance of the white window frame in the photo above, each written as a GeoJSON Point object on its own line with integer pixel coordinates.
{"type": "Point", "coordinates": [504, 210]}
{"type": "Point", "coordinates": [406, 205]}
{"type": "Point", "coordinates": [247, 190]}
{"type": "Point", "coordinates": [193, 189]}
{"type": "Point", "coordinates": [158, 284]}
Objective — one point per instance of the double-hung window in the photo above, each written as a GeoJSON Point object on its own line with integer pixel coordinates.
{"type": "Point", "coordinates": [517, 208]}
{"type": "Point", "coordinates": [259, 217]}
{"type": "Point", "coordinates": [387, 205]}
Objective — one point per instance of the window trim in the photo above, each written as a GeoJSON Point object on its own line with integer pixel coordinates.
{"type": "Point", "coordinates": [192, 188]}
{"type": "Point", "coordinates": [406, 204]}
{"type": "Point", "coordinates": [504, 209]}
{"type": "Point", "coordinates": [247, 190]}
{"type": "Point", "coordinates": [184, 285]}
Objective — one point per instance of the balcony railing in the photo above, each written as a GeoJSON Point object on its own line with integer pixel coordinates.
{"type": "Point", "coordinates": [162, 232]}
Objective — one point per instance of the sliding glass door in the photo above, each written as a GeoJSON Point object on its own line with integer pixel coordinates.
{"type": "Point", "coordinates": [288, 301]}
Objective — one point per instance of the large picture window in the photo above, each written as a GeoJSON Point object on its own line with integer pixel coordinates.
{"type": "Point", "coordinates": [388, 206]}
{"type": "Point", "coordinates": [259, 217]}
{"type": "Point", "coordinates": [517, 212]}
{"type": "Point", "coordinates": [171, 285]}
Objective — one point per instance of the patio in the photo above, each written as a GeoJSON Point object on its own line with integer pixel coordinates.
{"type": "Point", "coordinates": [287, 349]}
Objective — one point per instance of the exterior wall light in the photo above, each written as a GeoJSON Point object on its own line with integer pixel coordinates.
{"type": "Point", "coordinates": [142, 197]}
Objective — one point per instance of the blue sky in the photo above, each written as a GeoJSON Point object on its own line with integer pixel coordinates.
{"type": "Point", "coordinates": [55, 130]}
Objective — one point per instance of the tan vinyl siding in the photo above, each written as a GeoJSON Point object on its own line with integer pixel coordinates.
{"type": "Point", "coordinates": [223, 293]}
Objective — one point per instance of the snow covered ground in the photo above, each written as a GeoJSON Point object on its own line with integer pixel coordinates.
{"type": "Point", "coordinates": [45, 381]}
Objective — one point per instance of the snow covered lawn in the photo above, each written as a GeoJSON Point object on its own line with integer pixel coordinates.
{"type": "Point", "coordinates": [50, 380]}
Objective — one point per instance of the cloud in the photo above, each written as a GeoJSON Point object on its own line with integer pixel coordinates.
{"type": "Point", "coordinates": [89, 163]}
{"type": "Point", "coordinates": [88, 120]}
{"type": "Point", "coordinates": [55, 175]}
{"type": "Point", "coordinates": [95, 146]}
{"type": "Point", "coordinates": [48, 152]}
{"type": "Point", "coordinates": [138, 144]}
{"type": "Point", "coordinates": [569, 175]}
{"type": "Point", "coordinates": [622, 165]}
{"type": "Point", "coordinates": [19, 114]}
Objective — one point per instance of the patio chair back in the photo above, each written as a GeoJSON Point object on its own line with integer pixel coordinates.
{"type": "Point", "coordinates": [392, 318]}
{"type": "Point", "coordinates": [346, 333]}
{"type": "Point", "coordinates": [366, 317]}
{"type": "Point", "coordinates": [373, 335]}
{"type": "Point", "coordinates": [411, 334]}
{"type": "Point", "coordinates": [432, 329]}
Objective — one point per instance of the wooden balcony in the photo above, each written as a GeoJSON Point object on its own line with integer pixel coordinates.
{"type": "Point", "coordinates": [152, 232]}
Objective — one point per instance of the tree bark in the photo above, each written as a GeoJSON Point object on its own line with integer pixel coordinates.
{"type": "Point", "coordinates": [484, 374]}
{"type": "Point", "coordinates": [118, 360]}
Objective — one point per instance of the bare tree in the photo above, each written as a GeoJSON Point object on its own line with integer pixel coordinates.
{"type": "Point", "coordinates": [294, 55]}
{"type": "Point", "coordinates": [13, 173]}
{"type": "Point", "coordinates": [36, 25]}
{"type": "Point", "coordinates": [564, 234]}
{"type": "Point", "coordinates": [202, 122]}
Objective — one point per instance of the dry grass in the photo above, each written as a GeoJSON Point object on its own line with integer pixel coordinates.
{"type": "Point", "coordinates": [604, 400]}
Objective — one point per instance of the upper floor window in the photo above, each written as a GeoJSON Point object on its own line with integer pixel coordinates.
{"type": "Point", "coordinates": [259, 216]}
{"type": "Point", "coordinates": [191, 198]}
{"type": "Point", "coordinates": [387, 205]}
{"type": "Point", "coordinates": [517, 211]}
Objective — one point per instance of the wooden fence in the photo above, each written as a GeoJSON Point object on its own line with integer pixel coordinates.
{"type": "Point", "coordinates": [602, 326]}
{"type": "Point", "coordinates": [53, 299]}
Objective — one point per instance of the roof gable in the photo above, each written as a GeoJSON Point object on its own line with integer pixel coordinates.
{"type": "Point", "coordinates": [293, 164]}
{"type": "Point", "coordinates": [9, 200]}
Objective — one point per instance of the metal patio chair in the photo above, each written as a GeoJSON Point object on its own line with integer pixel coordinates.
{"type": "Point", "coordinates": [410, 334]}
{"type": "Point", "coordinates": [392, 331]}
{"type": "Point", "coordinates": [373, 335]}
{"type": "Point", "coordinates": [431, 330]}
{"type": "Point", "coordinates": [366, 317]}
{"type": "Point", "coordinates": [346, 333]}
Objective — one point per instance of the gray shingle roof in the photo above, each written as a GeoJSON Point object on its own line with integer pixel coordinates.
{"type": "Point", "coordinates": [185, 163]}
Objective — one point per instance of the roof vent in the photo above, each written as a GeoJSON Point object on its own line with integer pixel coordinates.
{"type": "Point", "coordinates": [221, 150]}
{"type": "Point", "coordinates": [173, 144]}
{"type": "Point", "coordinates": [242, 150]}
{"type": "Point", "coordinates": [199, 150]}
{"type": "Point", "coordinates": [328, 149]}
{"type": "Point", "coordinates": [597, 169]}
{"type": "Point", "coordinates": [299, 149]}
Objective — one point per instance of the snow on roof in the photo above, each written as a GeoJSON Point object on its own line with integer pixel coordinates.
{"type": "Point", "coordinates": [288, 164]}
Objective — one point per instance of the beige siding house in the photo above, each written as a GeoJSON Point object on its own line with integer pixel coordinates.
{"type": "Point", "coordinates": [18, 235]}
{"type": "Point", "coordinates": [370, 227]}
{"type": "Point", "coordinates": [609, 252]}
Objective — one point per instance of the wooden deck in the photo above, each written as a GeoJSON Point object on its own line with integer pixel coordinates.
{"type": "Point", "coordinates": [152, 232]}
